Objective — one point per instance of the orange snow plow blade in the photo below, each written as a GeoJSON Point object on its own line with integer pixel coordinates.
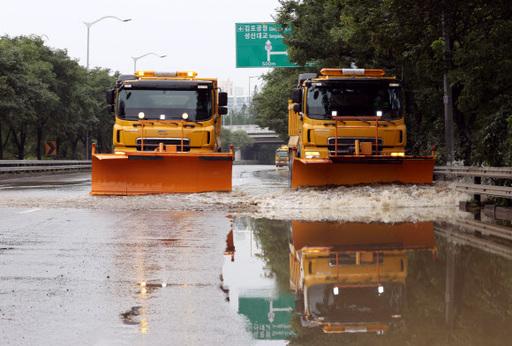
{"type": "Point", "coordinates": [354, 170]}
{"type": "Point", "coordinates": [360, 235]}
{"type": "Point", "coordinates": [139, 173]}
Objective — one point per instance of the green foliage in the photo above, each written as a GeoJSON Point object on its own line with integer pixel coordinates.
{"type": "Point", "coordinates": [274, 239]}
{"type": "Point", "coordinates": [239, 117]}
{"type": "Point", "coordinates": [270, 106]}
{"type": "Point", "coordinates": [44, 94]}
{"type": "Point", "coordinates": [239, 139]}
{"type": "Point", "coordinates": [406, 38]}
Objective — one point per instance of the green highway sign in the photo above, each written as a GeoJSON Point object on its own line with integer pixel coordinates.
{"type": "Point", "coordinates": [261, 45]}
{"type": "Point", "coordinates": [269, 318]}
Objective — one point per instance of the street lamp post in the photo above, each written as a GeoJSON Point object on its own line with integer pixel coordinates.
{"type": "Point", "coordinates": [43, 37]}
{"type": "Point", "coordinates": [89, 24]}
{"type": "Point", "coordinates": [250, 94]}
{"type": "Point", "coordinates": [135, 58]}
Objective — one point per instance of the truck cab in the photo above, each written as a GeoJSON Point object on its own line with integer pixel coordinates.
{"type": "Point", "coordinates": [281, 156]}
{"type": "Point", "coordinates": [174, 109]}
{"type": "Point", "coordinates": [346, 127]}
{"type": "Point", "coordinates": [350, 277]}
{"type": "Point", "coordinates": [367, 104]}
{"type": "Point", "coordinates": [166, 137]}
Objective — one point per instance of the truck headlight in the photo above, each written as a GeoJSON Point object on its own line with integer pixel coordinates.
{"type": "Point", "coordinates": [312, 155]}
{"type": "Point", "coordinates": [398, 154]}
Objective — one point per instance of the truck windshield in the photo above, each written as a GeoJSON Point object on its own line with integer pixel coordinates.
{"type": "Point", "coordinates": [165, 104]}
{"type": "Point", "coordinates": [354, 98]}
{"type": "Point", "coordinates": [355, 304]}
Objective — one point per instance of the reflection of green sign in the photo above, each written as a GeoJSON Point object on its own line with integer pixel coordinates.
{"type": "Point", "coordinates": [261, 45]}
{"type": "Point", "coordinates": [269, 318]}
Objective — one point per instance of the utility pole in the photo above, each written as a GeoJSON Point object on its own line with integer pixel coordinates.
{"type": "Point", "coordinates": [447, 97]}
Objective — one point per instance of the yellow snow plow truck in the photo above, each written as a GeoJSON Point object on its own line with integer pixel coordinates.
{"type": "Point", "coordinates": [350, 277]}
{"type": "Point", "coordinates": [347, 127]}
{"type": "Point", "coordinates": [165, 136]}
{"type": "Point", "coordinates": [281, 156]}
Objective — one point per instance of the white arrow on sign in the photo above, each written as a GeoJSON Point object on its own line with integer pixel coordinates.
{"type": "Point", "coordinates": [268, 48]}
{"type": "Point", "coordinates": [271, 313]}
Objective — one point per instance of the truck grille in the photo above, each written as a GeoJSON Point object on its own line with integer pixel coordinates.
{"type": "Point", "coordinates": [350, 258]}
{"type": "Point", "coordinates": [346, 145]}
{"type": "Point", "coordinates": [150, 144]}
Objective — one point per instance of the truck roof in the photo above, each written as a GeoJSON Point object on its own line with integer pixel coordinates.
{"type": "Point", "coordinates": [167, 83]}
{"type": "Point", "coordinates": [345, 74]}
{"type": "Point", "coordinates": [163, 76]}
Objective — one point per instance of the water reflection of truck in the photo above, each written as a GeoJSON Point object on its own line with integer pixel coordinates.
{"type": "Point", "coordinates": [282, 156]}
{"type": "Point", "coordinates": [350, 277]}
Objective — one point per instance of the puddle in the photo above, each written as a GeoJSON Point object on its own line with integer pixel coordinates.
{"type": "Point", "coordinates": [131, 316]}
{"type": "Point", "coordinates": [383, 263]}
{"type": "Point", "coordinates": [323, 282]}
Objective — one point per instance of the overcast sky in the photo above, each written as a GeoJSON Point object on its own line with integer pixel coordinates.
{"type": "Point", "coordinates": [195, 35]}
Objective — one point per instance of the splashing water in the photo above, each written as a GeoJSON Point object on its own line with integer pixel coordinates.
{"type": "Point", "coordinates": [262, 191]}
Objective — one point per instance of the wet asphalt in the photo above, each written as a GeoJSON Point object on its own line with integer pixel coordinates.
{"type": "Point", "coordinates": [93, 274]}
{"type": "Point", "coordinates": [71, 276]}
{"type": "Point", "coordinates": [202, 269]}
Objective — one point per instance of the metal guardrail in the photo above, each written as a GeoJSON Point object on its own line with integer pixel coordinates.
{"type": "Point", "coordinates": [485, 228]}
{"type": "Point", "coordinates": [490, 190]}
{"type": "Point", "coordinates": [478, 173]}
{"type": "Point", "coordinates": [472, 240]}
{"type": "Point", "coordinates": [470, 171]}
{"type": "Point", "coordinates": [42, 166]}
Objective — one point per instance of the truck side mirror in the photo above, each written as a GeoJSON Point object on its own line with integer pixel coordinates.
{"type": "Point", "coordinates": [297, 96]}
{"type": "Point", "coordinates": [110, 95]}
{"type": "Point", "coordinates": [223, 99]}
{"type": "Point", "coordinates": [223, 110]}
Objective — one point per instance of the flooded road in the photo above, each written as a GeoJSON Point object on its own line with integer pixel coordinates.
{"type": "Point", "coordinates": [96, 278]}
{"type": "Point", "coordinates": [362, 265]}
{"type": "Point", "coordinates": [258, 191]}
{"type": "Point", "coordinates": [328, 283]}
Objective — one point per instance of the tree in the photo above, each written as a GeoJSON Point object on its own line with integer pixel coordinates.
{"type": "Point", "coordinates": [33, 99]}
{"type": "Point", "coordinates": [239, 139]}
{"type": "Point", "coordinates": [242, 116]}
{"type": "Point", "coordinates": [11, 71]}
{"type": "Point", "coordinates": [270, 106]}
{"type": "Point", "coordinates": [44, 93]}
{"type": "Point", "coordinates": [370, 33]}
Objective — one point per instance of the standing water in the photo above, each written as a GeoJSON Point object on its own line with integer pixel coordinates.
{"type": "Point", "coordinates": [362, 264]}
{"type": "Point", "coordinates": [333, 282]}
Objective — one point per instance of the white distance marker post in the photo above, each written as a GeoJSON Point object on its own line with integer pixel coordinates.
{"type": "Point", "coordinates": [141, 116]}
